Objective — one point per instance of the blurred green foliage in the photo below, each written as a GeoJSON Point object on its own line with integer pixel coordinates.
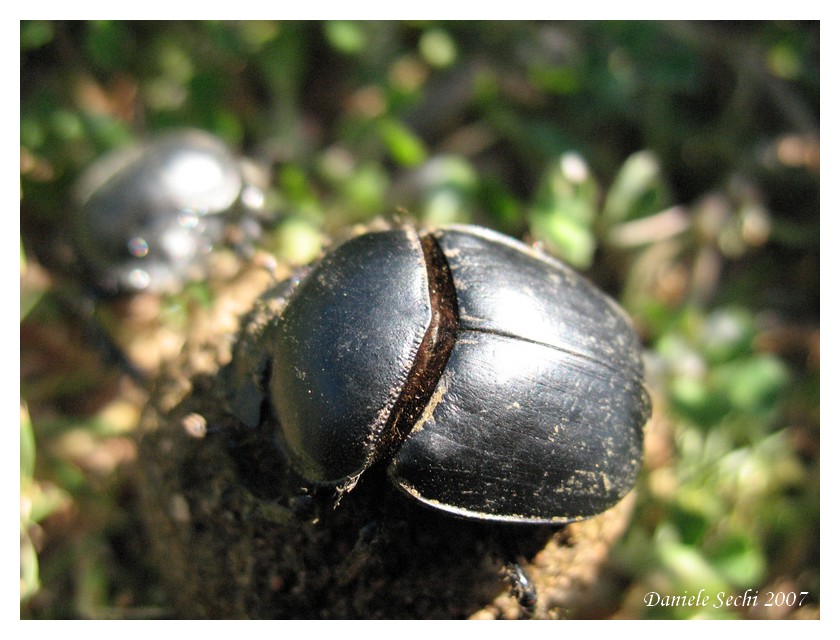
{"type": "Point", "coordinates": [676, 163]}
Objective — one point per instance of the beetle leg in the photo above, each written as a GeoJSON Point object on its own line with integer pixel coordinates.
{"type": "Point", "coordinates": [521, 586]}
{"type": "Point", "coordinates": [512, 547]}
{"type": "Point", "coordinates": [344, 488]}
{"type": "Point", "coordinates": [309, 503]}
{"type": "Point", "coordinates": [98, 337]}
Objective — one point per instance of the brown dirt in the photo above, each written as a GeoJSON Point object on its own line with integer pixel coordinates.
{"type": "Point", "coordinates": [217, 503]}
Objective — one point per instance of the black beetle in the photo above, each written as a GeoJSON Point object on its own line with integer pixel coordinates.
{"type": "Point", "coordinates": [147, 217]}
{"type": "Point", "coordinates": [495, 382]}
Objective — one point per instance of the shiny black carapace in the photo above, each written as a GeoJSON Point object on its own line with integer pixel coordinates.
{"type": "Point", "coordinates": [494, 381]}
{"type": "Point", "coordinates": [146, 217]}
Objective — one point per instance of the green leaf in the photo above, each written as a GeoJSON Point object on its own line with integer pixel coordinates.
{"type": "Point", "coordinates": [741, 560]}
{"type": "Point", "coordinates": [564, 210]}
{"type": "Point", "coordinates": [345, 36]}
{"type": "Point", "coordinates": [438, 48]}
{"type": "Point", "coordinates": [727, 333]}
{"type": "Point", "coordinates": [29, 573]}
{"type": "Point", "coordinates": [363, 191]}
{"type": "Point", "coordinates": [638, 189]}
{"type": "Point", "coordinates": [696, 399]}
{"type": "Point", "coordinates": [109, 44]}
{"type": "Point", "coordinates": [298, 241]}
{"type": "Point", "coordinates": [35, 34]}
{"type": "Point", "coordinates": [405, 147]}
{"type": "Point", "coordinates": [566, 239]}
{"type": "Point", "coordinates": [754, 384]}
{"type": "Point", "coordinates": [686, 565]}
{"type": "Point", "coordinates": [555, 79]}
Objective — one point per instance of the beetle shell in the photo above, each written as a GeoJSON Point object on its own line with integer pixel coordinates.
{"type": "Point", "coordinates": [147, 216]}
{"type": "Point", "coordinates": [496, 382]}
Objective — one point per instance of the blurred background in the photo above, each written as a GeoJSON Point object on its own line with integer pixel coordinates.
{"type": "Point", "coordinates": [675, 164]}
